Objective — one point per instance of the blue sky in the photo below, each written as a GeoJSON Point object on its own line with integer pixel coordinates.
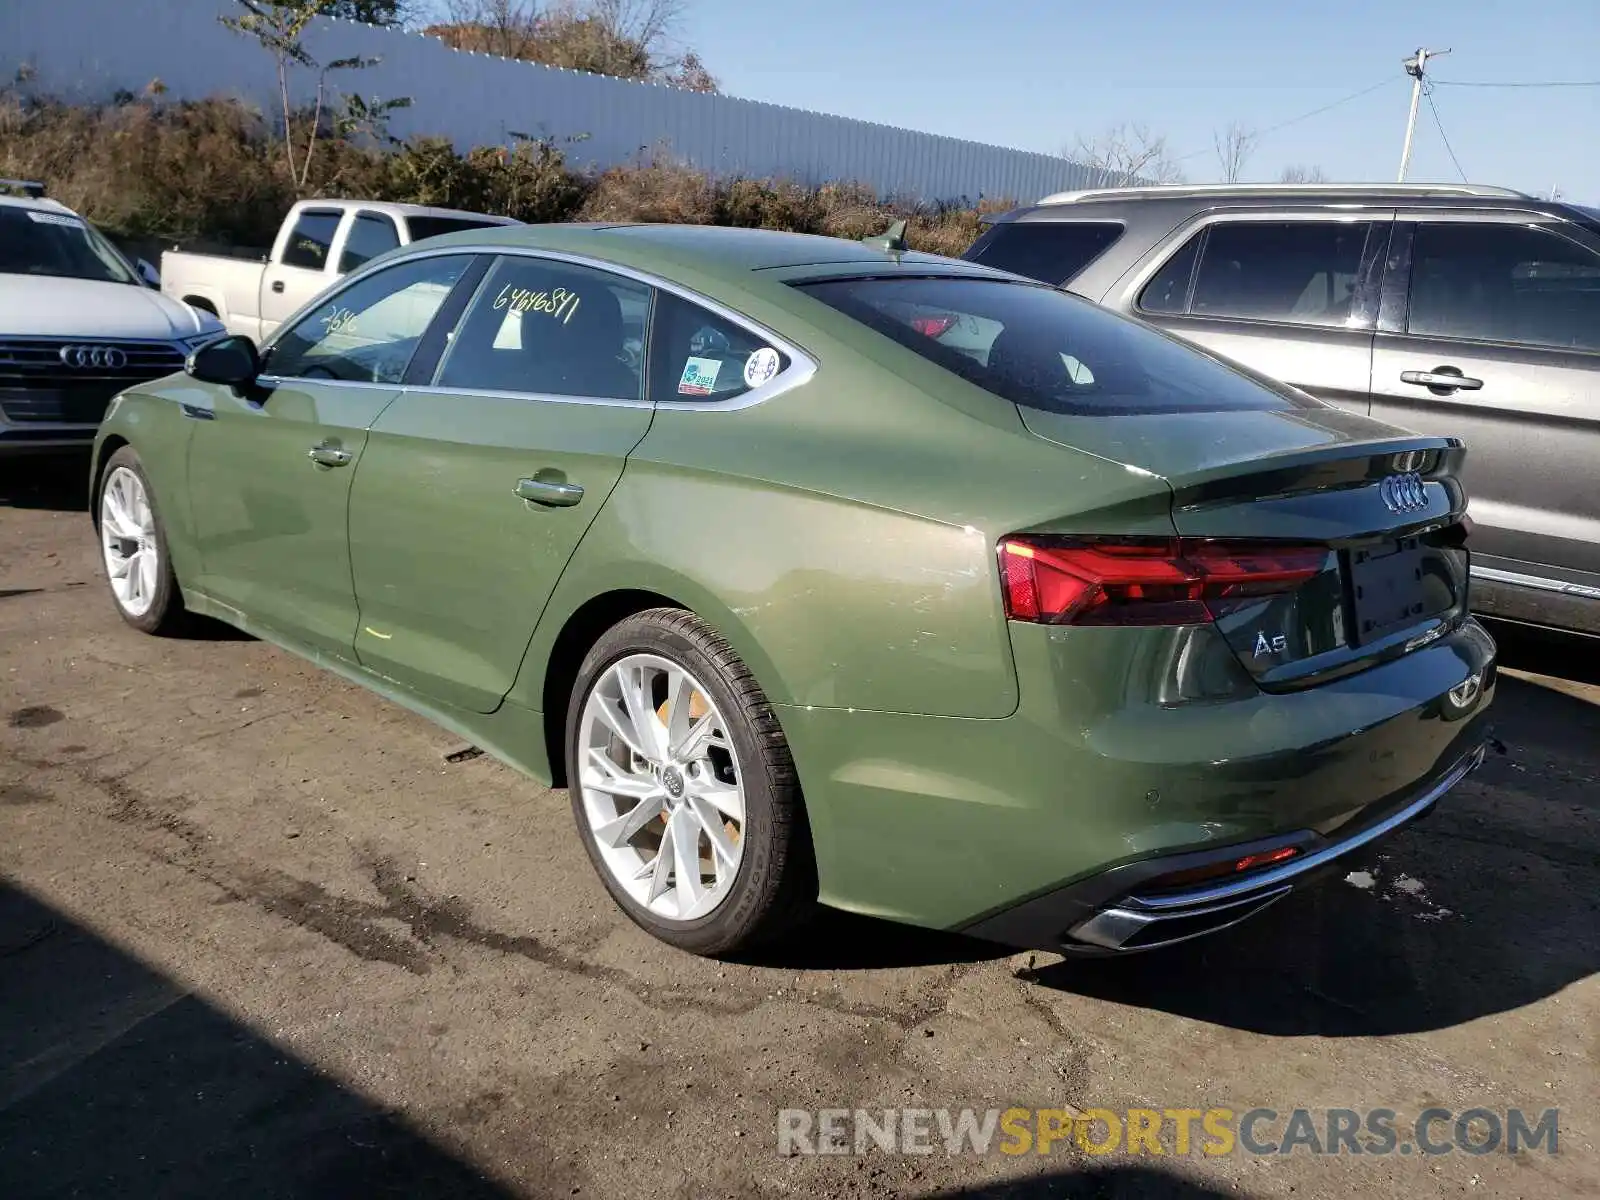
{"type": "Point", "coordinates": [1034, 73]}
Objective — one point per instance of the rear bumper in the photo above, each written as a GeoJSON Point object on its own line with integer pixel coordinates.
{"type": "Point", "coordinates": [953, 823]}
{"type": "Point", "coordinates": [1126, 909]}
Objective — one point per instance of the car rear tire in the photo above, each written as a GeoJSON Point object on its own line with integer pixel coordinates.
{"type": "Point", "coordinates": [675, 760]}
{"type": "Point", "coordinates": [133, 548]}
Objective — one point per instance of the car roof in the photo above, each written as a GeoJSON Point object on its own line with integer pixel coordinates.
{"type": "Point", "coordinates": [1183, 199]}
{"type": "Point", "coordinates": [733, 254]}
{"type": "Point", "coordinates": [36, 203]}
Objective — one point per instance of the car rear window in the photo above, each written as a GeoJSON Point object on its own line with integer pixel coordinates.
{"type": "Point", "coordinates": [427, 227]}
{"type": "Point", "coordinates": [1041, 348]}
{"type": "Point", "coordinates": [1049, 251]}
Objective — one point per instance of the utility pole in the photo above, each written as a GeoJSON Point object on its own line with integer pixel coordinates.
{"type": "Point", "coordinates": [1415, 67]}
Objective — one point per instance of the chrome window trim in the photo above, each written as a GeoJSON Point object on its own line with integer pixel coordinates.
{"type": "Point", "coordinates": [802, 366]}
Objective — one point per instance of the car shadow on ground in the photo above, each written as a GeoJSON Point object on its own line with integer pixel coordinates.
{"type": "Point", "coordinates": [841, 941]}
{"type": "Point", "coordinates": [116, 1082]}
{"type": "Point", "coordinates": [1093, 1183]}
{"type": "Point", "coordinates": [1490, 903]}
{"type": "Point", "coordinates": [56, 481]}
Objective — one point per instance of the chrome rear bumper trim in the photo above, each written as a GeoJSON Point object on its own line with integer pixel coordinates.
{"type": "Point", "coordinates": [1112, 928]}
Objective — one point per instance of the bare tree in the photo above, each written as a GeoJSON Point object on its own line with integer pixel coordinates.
{"type": "Point", "coordinates": [1128, 154]}
{"type": "Point", "coordinates": [1298, 173]}
{"type": "Point", "coordinates": [507, 28]}
{"type": "Point", "coordinates": [1234, 146]}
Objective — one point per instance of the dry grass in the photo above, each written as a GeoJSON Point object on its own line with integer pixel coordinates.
{"type": "Point", "coordinates": [211, 172]}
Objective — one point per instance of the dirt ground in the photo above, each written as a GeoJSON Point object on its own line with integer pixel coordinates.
{"type": "Point", "coordinates": [258, 937]}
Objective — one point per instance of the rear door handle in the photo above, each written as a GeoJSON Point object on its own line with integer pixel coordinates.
{"type": "Point", "coordinates": [550, 492]}
{"type": "Point", "coordinates": [277, 285]}
{"type": "Point", "coordinates": [329, 456]}
{"type": "Point", "coordinates": [1442, 380]}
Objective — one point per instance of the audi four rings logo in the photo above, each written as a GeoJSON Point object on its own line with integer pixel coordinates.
{"type": "Point", "coordinates": [1403, 493]}
{"type": "Point", "coordinates": [85, 358]}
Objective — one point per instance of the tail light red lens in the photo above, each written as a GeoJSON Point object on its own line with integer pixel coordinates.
{"type": "Point", "coordinates": [1153, 581]}
{"type": "Point", "coordinates": [933, 326]}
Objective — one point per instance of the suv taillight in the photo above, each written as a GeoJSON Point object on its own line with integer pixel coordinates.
{"type": "Point", "coordinates": [1144, 581]}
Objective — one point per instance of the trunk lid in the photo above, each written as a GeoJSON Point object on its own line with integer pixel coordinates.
{"type": "Point", "coordinates": [1387, 506]}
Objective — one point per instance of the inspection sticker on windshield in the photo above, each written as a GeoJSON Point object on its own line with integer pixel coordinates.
{"type": "Point", "coordinates": [760, 367]}
{"type": "Point", "coordinates": [46, 218]}
{"type": "Point", "coordinates": [699, 376]}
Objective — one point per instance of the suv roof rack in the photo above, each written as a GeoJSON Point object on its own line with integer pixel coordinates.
{"type": "Point", "coordinates": [1160, 191]}
{"type": "Point", "coordinates": [31, 188]}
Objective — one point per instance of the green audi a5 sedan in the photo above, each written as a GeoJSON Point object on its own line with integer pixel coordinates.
{"type": "Point", "coordinates": [818, 570]}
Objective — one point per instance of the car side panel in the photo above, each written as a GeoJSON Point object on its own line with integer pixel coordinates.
{"type": "Point", "coordinates": [152, 422]}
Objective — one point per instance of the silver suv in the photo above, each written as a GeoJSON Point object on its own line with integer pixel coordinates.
{"type": "Point", "coordinates": [1468, 311]}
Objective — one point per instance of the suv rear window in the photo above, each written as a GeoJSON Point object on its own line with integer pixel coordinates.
{"type": "Point", "coordinates": [1052, 252]}
{"type": "Point", "coordinates": [1041, 348]}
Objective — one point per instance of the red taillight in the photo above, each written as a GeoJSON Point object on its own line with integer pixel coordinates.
{"type": "Point", "coordinates": [1265, 859]}
{"type": "Point", "coordinates": [1156, 581]}
{"type": "Point", "coordinates": [933, 326]}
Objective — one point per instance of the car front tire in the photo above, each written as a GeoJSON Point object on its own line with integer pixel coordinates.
{"type": "Point", "coordinates": [133, 548]}
{"type": "Point", "coordinates": [684, 789]}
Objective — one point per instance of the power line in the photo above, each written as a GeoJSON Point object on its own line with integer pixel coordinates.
{"type": "Point", "coordinates": [1434, 108]}
{"type": "Point", "coordinates": [1549, 83]}
{"type": "Point", "coordinates": [1315, 112]}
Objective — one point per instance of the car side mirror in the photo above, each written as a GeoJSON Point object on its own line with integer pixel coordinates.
{"type": "Point", "coordinates": [233, 361]}
{"type": "Point", "coordinates": [151, 276]}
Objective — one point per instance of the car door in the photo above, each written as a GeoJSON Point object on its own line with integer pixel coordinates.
{"type": "Point", "coordinates": [476, 488]}
{"type": "Point", "coordinates": [300, 268]}
{"type": "Point", "coordinates": [1491, 332]}
{"type": "Point", "coordinates": [1291, 295]}
{"type": "Point", "coordinates": [270, 470]}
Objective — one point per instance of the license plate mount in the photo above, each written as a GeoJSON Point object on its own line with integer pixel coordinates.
{"type": "Point", "coordinates": [1386, 588]}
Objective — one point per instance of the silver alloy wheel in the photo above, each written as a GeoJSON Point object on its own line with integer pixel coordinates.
{"type": "Point", "coordinates": [661, 787]}
{"type": "Point", "coordinates": [128, 538]}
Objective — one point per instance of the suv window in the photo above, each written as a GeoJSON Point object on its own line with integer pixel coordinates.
{"type": "Point", "coordinates": [1504, 283]}
{"type": "Point", "coordinates": [1053, 252]}
{"type": "Point", "coordinates": [1304, 272]}
{"type": "Point", "coordinates": [1042, 348]}
{"type": "Point", "coordinates": [371, 234]}
{"type": "Point", "coordinates": [551, 328]}
{"type": "Point", "coordinates": [310, 239]}
{"type": "Point", "coordinates": [367, 332]}
{"type": "Point", "coordinates": [698, 357]}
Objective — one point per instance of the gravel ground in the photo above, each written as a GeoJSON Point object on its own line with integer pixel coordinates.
{"type": "Point", "coordinates": [258, 937]}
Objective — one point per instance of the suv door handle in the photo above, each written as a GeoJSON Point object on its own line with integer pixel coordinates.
{"type": "Point", "coordinates": [1442, 380]}
{"type": "Point", "coordinates": [550, 492]}
{"type": "Point", "coordinates": [329, 456]}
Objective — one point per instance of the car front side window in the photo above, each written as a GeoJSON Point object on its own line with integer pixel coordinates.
{"type": "Point", "coordinates": [367, 332]}
{"type": "Point", "coordinates": [554, 328]}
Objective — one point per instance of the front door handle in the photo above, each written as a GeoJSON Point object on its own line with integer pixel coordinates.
{"type": "Point", "coordinates": [329, 456]}
{"type": "Point", "coordinates": [1441, 381]}
{"type": "Point", "coordinates": [552, 493]}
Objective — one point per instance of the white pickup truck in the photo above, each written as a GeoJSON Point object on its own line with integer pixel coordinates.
{"type": "Point", "coordinates": [319, 241]}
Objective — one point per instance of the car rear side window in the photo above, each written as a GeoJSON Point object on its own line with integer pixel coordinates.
{"type": "Point", "coordinates": [1041, 348]}
{"type": "Point", "coordinates": [1504, 283]}
{"type": "Point", "coordinates": [697, 357]}
{"type": "Point", "coordinates": [371, 234]}
{"type": "Point", "coordinates": [311, 239]}
{"type": "Point", "coordinates": [1053, 252]}
{"type": "Point", "coordinates": [551, 328]}
{"type": "Point", "coordinates": [1302, 272]}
